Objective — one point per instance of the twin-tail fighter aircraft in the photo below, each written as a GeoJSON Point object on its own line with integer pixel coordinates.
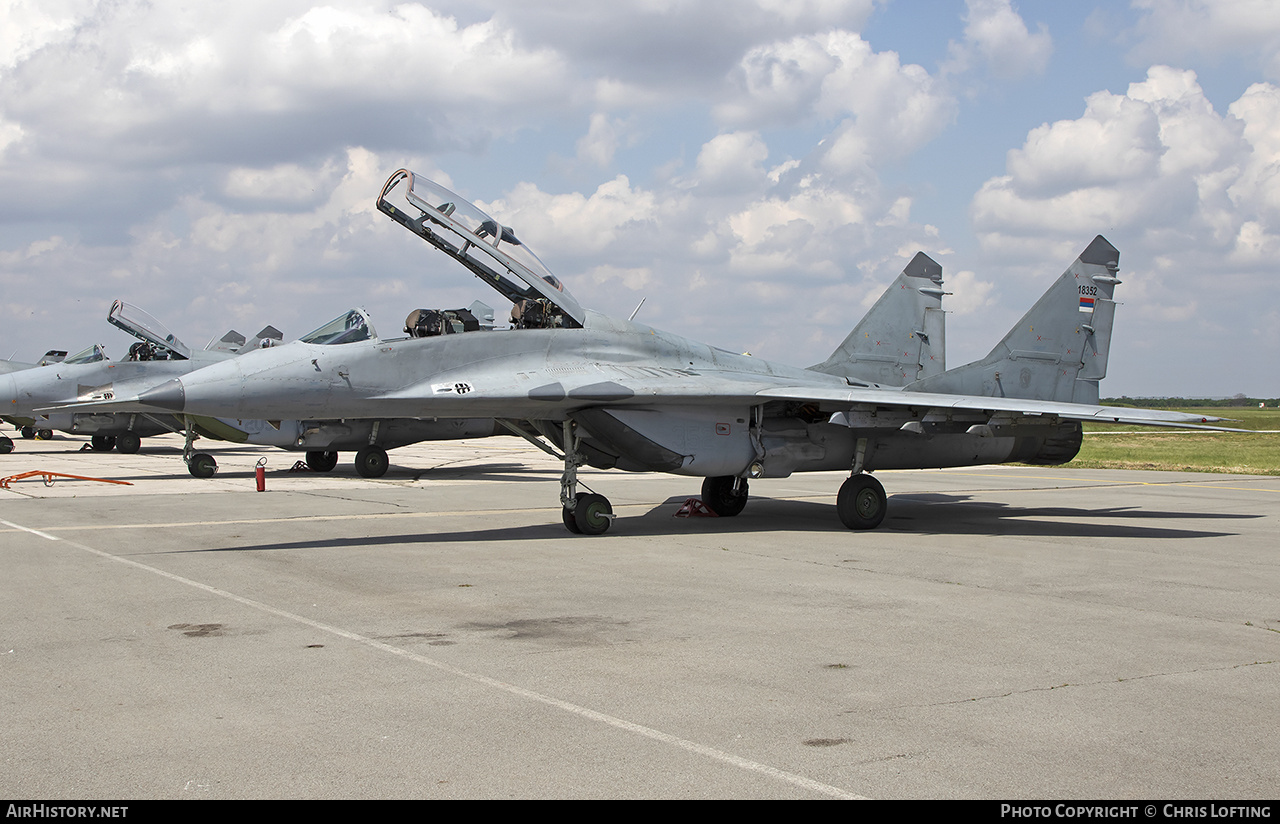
{"type": "Point", "coordinates": [66, 398]}
{"type": "Point", "coordinates": [90, 375]}
{"type": "Point", "coordinates": [612, 393]}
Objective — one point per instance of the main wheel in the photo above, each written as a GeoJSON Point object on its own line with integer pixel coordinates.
{"type": "Point", "coordinates": [592, 514]}
{"type": "Point", "coordinates": [6, 444]}
{"type": "Point", "coordinates": [102, 443]}
{"type": "Point", "coordinates": [322, 461]}
{"type": "Point", "coordinates": [570, 524]}
{"type": "Point", "coordinates": [128, 443]}
{"type": "Point", "coordinates": [28, 432]}
{"type": "Point", "coordinates": [372, 462]}
{"type": "Point", "coordinates": [44, 434]}
{"type": "Point", "coordinates": [202, 465]}
{"type": "Point", "coordinates": [719, 495]}
{"type": "Point", "coordinates": [861, 502]}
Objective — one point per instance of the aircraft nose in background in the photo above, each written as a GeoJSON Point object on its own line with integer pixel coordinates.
{"type": "Point", "coordinates": [168, 395]}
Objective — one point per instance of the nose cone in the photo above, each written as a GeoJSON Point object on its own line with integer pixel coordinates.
{"type": "Point", "coordinates": [169, 395]}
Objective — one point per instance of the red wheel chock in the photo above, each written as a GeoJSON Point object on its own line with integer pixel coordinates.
{"type": "Point", "coordinates": [694, 508]}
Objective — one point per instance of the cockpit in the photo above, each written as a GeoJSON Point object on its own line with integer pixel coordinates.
{"type": "Point", "coordinates": [349, 327]}
{"type": "Point", "coordinates": [92, 354]}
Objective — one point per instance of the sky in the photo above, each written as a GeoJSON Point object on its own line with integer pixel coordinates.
{"type": "Point", "coordinates": [756, 171]}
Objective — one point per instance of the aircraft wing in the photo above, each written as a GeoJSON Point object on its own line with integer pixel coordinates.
{"type": "Point", "coordinates": [1016, 406]}
{"type": "Point", "coordinates": [611, 384]}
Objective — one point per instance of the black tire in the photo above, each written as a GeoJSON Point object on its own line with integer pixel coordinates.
{"type": "Point", "coordinates": [44, 434]}
{"type": "Point", "coordinates": [102, 443]}
{"type": "Point", "coordinates": [27, 432]}
{"type": "Point", "coordinates": [570, 524]}
{"type": "Point", "coordinates": [322, 461]}
{"type": "Point", "coordinates": [372, 462]}
{"type": "Point", "coordinates": [861, 502]}
{"type": "Point", "coordinates": [592, 514]}
{"type": "Point", "coordinates": [128, 443]}
{"type": "Point", "coordinates": [720, 498]}
{"type": "Point", "coordinates": [202, 465]}
{"type": "Point", "coordinates": [6, 444]}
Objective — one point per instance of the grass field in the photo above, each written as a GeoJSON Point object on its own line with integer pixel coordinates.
{"type": "Point", "coordinates": [1123, 447]}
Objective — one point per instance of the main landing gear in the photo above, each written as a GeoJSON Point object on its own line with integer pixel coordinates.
{"type": "Point", "coordinates": [588, 514]}
{"type": "Point", "coordinates": [322, 461]}
{"type": "Point", "coordinates": [725, 495]}
{"type": "Point", "coordinates": [372, 462]}
{"type": "Point", "coordinates": [861, 502]}
{"type": "Point", "coordinates": [127, 443]}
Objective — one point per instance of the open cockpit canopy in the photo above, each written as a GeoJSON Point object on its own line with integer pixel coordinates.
{"type": "Point", "coordinates": [147, 329]}
{"type": "Point", "coordinates": [490, 250]}
{"type": "Point", "coordinates": [349, 327]}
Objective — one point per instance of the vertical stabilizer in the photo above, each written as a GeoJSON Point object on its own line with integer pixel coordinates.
{"type": "Point", "coordinates": [1058, 351]}
{"type": "Point", "coordinates": [902, 338]}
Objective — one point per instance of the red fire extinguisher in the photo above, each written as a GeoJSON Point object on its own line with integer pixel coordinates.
{"type": "Point", "coordinates": [260, 473]}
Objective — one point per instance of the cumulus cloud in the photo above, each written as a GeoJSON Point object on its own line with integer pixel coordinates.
{"type": "Point", "coordinates": [157, 83]}
{"type": "Point", "coordinates": [603, 139]}
{"type": "Point", "coordinates": [997, 38]}
{"type": "Point", "coordinates": [674, 45]}
{"type": "Point", "coordinates": [1186, 192]}
{"type": "Point", "coordinates": [738, 164]}
{"type": "Point", "coordinates": [1154, 158]}
{"type": "Point", "coordinates": [1170, 31]}
{"type": "Point", "coordinates": [884, 109]}
{"type": "Point", "coordinates": [732, 164]}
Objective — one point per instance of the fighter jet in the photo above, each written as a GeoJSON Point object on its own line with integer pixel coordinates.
{"type": "Point", "coordinates": [157, 356]}
{"type": "Point", "coordinates": [52, 356]}
{"type": "Point", "coordinates": [614, 393]}
{"type": "Point", "coordinates": [323, 438]}
{"type": "Point", "coordinates": [63, 398]}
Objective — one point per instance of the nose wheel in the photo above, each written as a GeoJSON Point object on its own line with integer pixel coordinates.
{"type": "Point", "coordinates": [202, 465]}
{"type": "Point", "coordinates": [588, 514]}
{"type": "Point", "coordinates": [199, 464]}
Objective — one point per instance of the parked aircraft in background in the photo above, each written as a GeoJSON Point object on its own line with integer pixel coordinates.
{"type": "Point", "coordinates": [59, 398]}
{"type": "Point", "coordinates": [613, 393]}
{"type": "Point", "coordinates": [52, 356]}
{"type": "Point", "coordinates": [90, 375]}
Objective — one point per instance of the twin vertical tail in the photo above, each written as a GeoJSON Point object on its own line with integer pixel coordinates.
{"type": "Point", "coordinates": [902, 338]}
{"type": "Point", "coordinates": [1058, 351]}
